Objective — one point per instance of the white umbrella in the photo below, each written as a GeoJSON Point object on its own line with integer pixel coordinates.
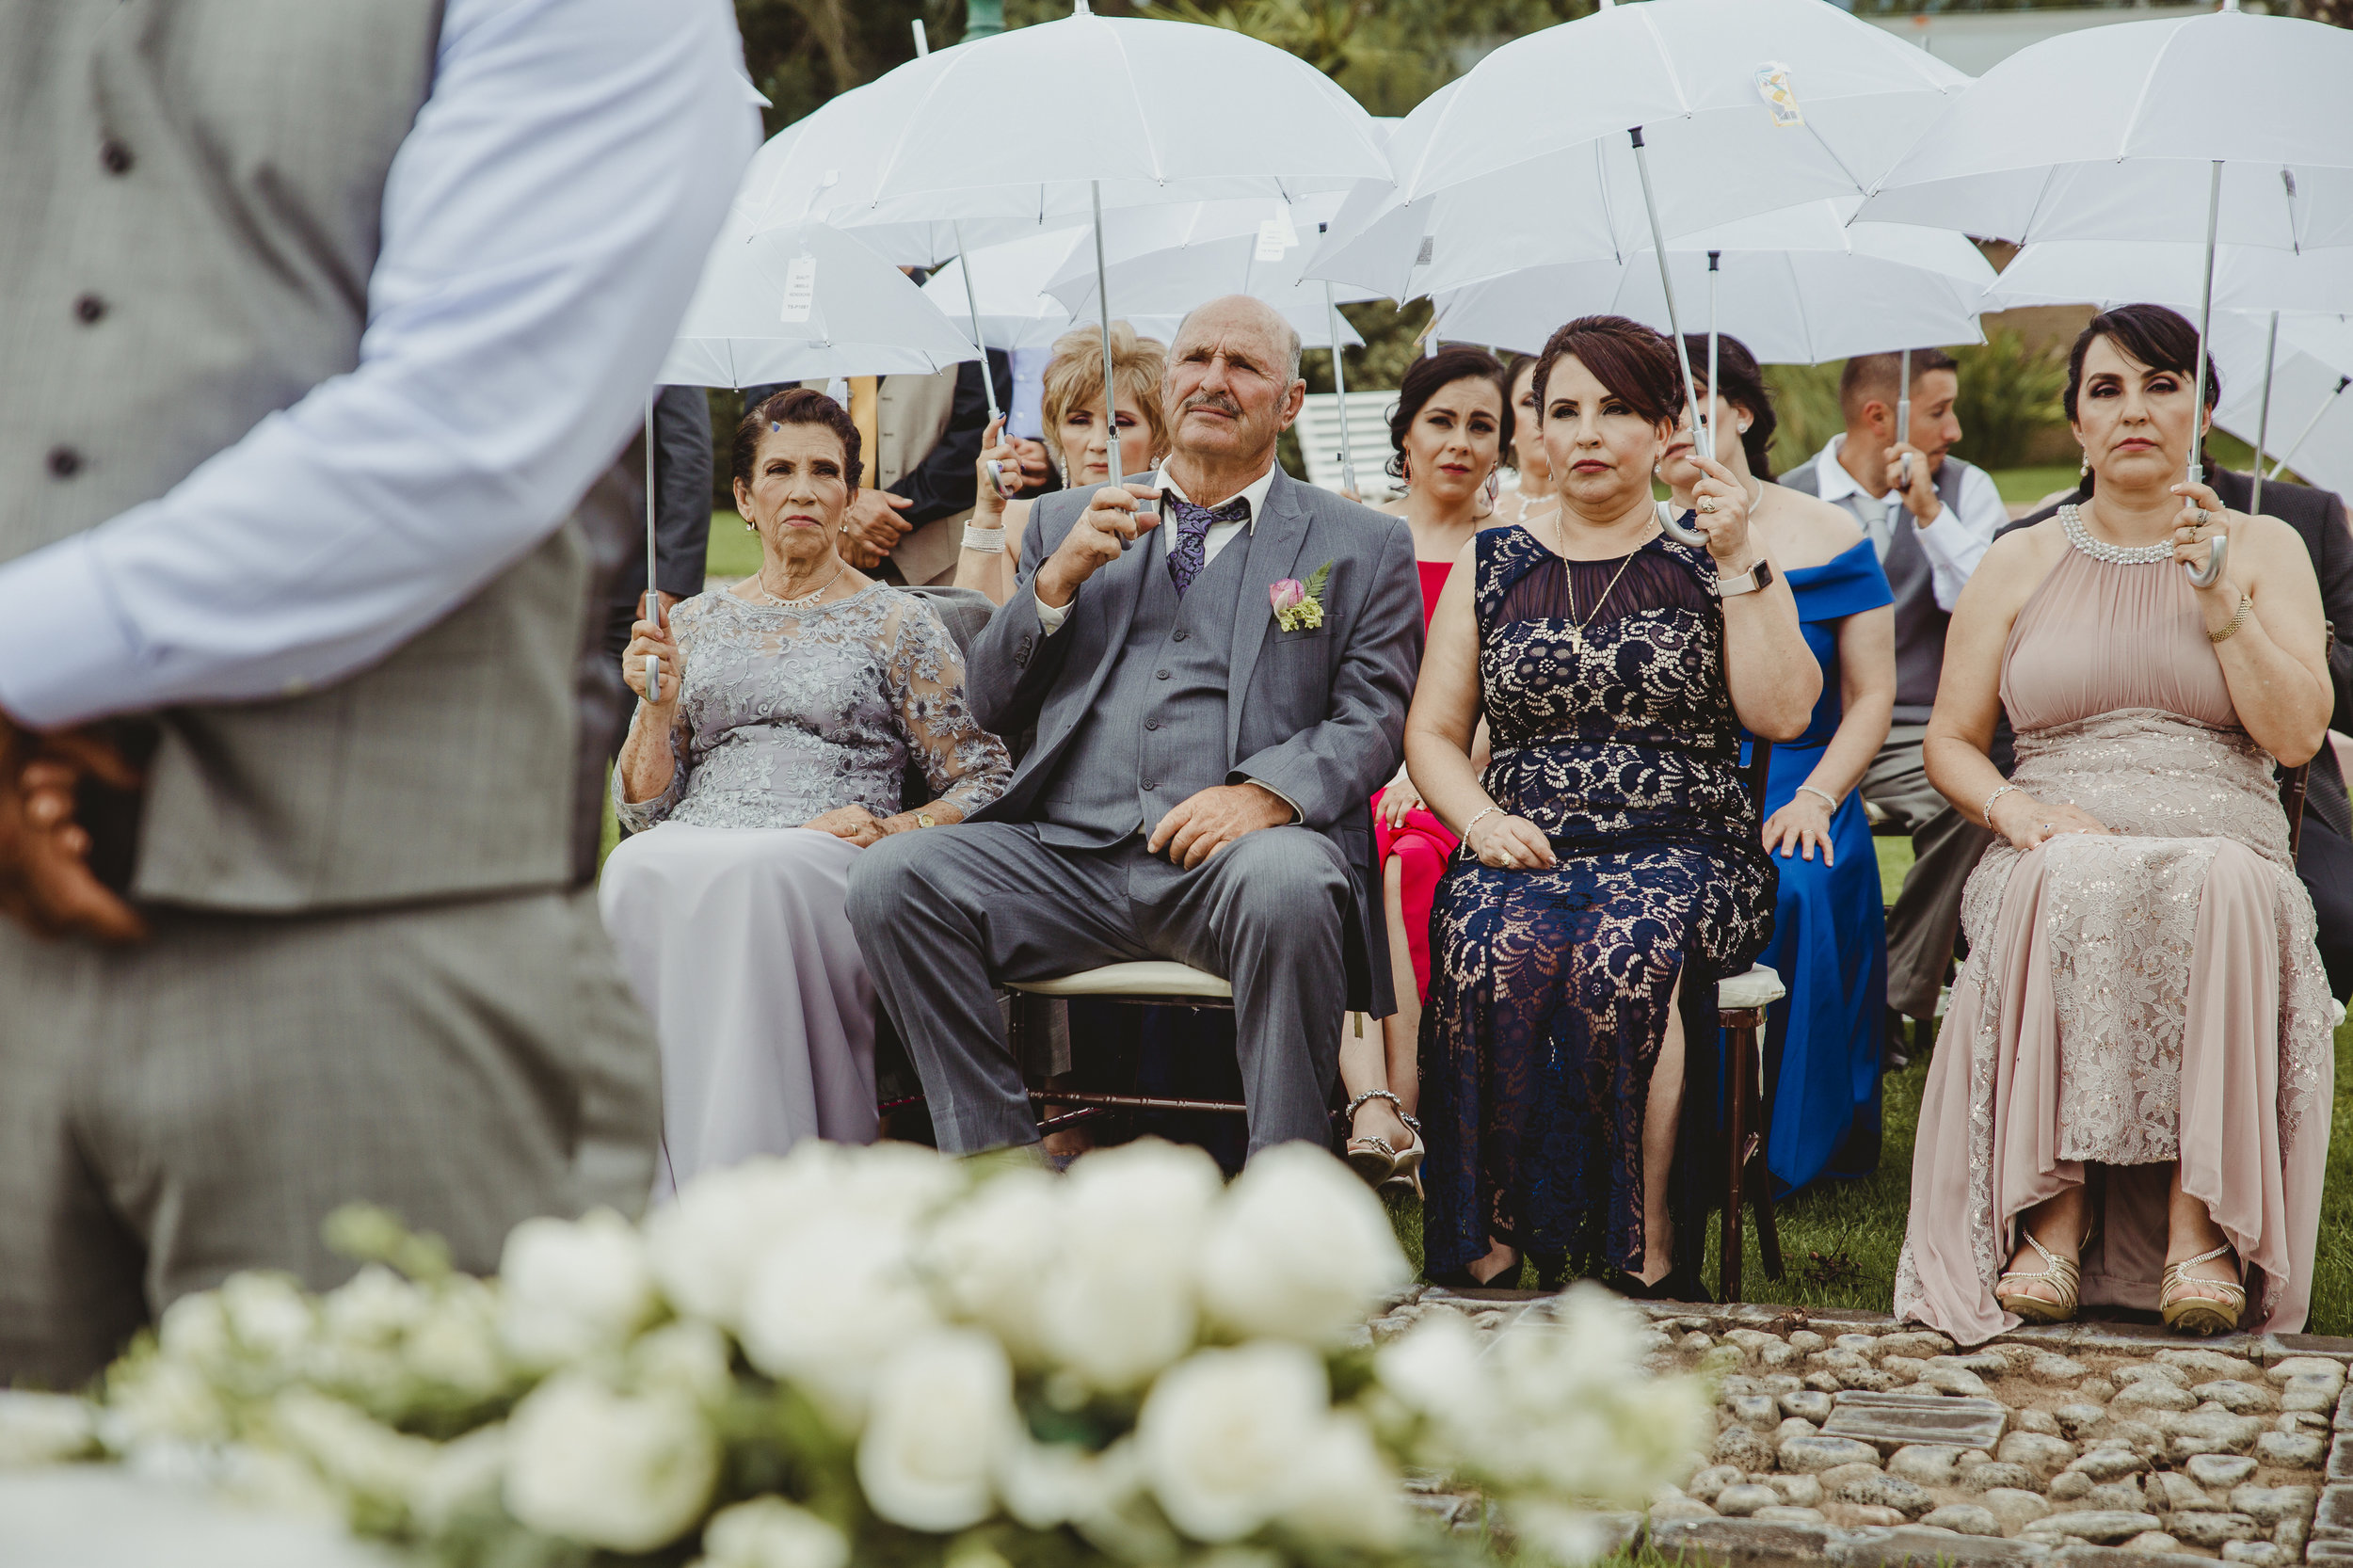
{"type": "Point", "coordinates": [1068, 119]}
{"type": "Point", "coordinates": [2311, 372]}
{"type": "Point", "coordinates": [1641, 119]}
{"type": "Point", "coordinates": [1797, 286]}
{"type": "Point", "coordinates": [2221, 129]}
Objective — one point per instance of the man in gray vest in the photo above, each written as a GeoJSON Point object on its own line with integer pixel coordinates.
{"type": "Point", "coordinates": [1931, 517]}
{"type": "Point", "coordinates": [319, 320]}
{"type": "Point", "coordinates": [1199, 784]}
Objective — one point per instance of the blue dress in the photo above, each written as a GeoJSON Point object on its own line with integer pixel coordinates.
{"type": "Point", "coordinates": [1548, 998]}
{"type": "Point", "coordinates": [1830, 926]}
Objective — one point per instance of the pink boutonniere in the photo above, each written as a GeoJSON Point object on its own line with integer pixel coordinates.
{"type": "Point", "coordinates": [1299, 606]}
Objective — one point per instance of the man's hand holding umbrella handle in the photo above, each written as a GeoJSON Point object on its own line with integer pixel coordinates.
{"type": "Point", "coordinates": [46, 883]}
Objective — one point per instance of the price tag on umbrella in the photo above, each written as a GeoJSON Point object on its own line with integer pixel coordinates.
{"type": "Point", "coordinates": [1772, 84]}
{"type": "Point", "coordinates": [800, 289]}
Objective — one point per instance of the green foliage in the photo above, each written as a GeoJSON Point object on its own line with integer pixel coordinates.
{"type": "Point", "coordinates": [1805, 400]}
{"type": "Point", "coordinates": [2010, 394]}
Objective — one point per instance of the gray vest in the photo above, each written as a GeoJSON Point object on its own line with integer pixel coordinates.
{"type": "Point", "coordinates": [1157, 732]}
{"type": "Point", "coordinates": [190, 194]}
{"type": "Point", "coordinates": [1919, 622]}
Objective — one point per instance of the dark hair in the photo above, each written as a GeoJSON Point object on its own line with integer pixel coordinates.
{"type": "Point", "coordinates": [794, 406]}
{"type": "Point", "coordinates": [1743, 386]}
{"type": "Point", "coordinates": [1869, 375]}
{"type": "Point", "coordinates": [2158, 338]}
{"type": "Point", "coordinates": [1633, 360]}
{"type": "Point", "coordinates": [1422, 382]}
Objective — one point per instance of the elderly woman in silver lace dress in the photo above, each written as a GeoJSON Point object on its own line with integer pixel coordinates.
{"type": "Point", "coordinates": [768, 749]}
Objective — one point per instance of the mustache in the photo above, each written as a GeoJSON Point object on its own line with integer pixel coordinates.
{"type": "Point", "coordinates": [1220, 401]}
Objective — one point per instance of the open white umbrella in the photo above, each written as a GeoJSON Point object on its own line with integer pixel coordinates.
{"type": "Point", "coordinates": [2223, 129]}
{"type": "Point", "coordinates": [1068, 119]}
{"type": "Point", "coordinates": [1798, 287]}
{"type": "Point", "coordinates": [1641, 120]}
{"type": "Point", "coordinates": [2311, 368]}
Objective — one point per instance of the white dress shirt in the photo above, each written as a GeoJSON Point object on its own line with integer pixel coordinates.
{"type": "Point", "coordinates": [1219, 535]}
{"type": "Point", "coordinates": [543, 224]}
{"type": "Point", "coordinates": [1954, 544]}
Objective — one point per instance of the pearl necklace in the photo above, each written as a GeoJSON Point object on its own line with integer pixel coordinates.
{"type": "Point", "coordinates": [809, 598]}
{"type": "Point", "coordinates": [2072, 519]}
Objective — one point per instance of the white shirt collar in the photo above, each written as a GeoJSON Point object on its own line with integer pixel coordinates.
{"type": "Point", "coordinates": [1833, 483]}
{"type": "Point", "coordinates": [1255, 492]}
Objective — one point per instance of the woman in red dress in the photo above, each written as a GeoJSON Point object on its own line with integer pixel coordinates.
{"type": "Point", "coordinates": [1450, 428]}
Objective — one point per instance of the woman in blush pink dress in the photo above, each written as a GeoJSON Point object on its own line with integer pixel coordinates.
{"type": "Point", "coordinates": [1450, 428]}
{"type": "Point", "coordinates": [2129, 1101]}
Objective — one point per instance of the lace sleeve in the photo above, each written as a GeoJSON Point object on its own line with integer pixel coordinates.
{"type": "Point", "coordinates": [966, 766]}
{"type": "Point", "coordinates": [640, 815]}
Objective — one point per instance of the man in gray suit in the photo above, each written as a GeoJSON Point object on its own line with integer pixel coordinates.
{"type": "Point", "coordinates": [1199, 782]}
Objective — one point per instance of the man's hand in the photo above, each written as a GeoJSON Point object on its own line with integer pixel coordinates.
{"type": "Point", "coordinates": [45, 880]}
{"type": "Point", "coordinates": [872, 528]}
{"type": "Point", "coordinates": [1108, 526]}
{"type": "Point", "coordinates": [1919, 497]}
{"type": "Point", "coordinates": [1035, 468]}
{"type": "Point", "coordinates": [1199, 827]}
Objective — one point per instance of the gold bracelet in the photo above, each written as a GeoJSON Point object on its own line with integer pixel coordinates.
{"type": "Point", "coordinates": [2245, 602]}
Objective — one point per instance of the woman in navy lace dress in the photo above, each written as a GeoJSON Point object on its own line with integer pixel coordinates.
{"type": "Point", "coordinates": [1611, 868]}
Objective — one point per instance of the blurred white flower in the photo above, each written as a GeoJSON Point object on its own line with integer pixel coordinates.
{"type": "Point", "coordinates": [43, 1429]}
{"type": "Point", "coordinates": [268, 1315]}
{"type": "Point", "coordinates": [991, 1256]}
{"type": "Point", "coordinates": [195, 1329]}
{"type": "Point", "coordinates": [769, 1532]}
{"type": "Point", "coordinates": [1224, 1435]}
{"type": "Point", "coordinates": [684, 1354]}
{"type": "Point", "coordinates": [630, 1473]}
{"type": "Point", "coordinates": [163, 1398]}
{"type": "Point", "coordinates": [1434, 1370]}
{"type": "Point", "coordinates": [357, 1455]}
{"type": "Point", "coordinates": [1343, 1490]}
{"type": "Point", "coordinates": [941, 1420]}
{"type": "Point", "coordinates": [703, 1246]}
{"type": "Point", "coordinates": [828, 1303]}
{"type": "Point", "coordinates": [572, 1288]}
{"type": "Point", "coordinates": [1555, 1532]}
{"type": "Point", "coordinates": [1046, 1484]}
{"type": "Point", "coordinates": [1123, 1304]}
{"type": "Point", "coordinates": [373, 1308]}
{"type": "Point", "coordinates": [464, 1475]}
{"type": "Point", "coordinates": [1298, 1248]}
{"type": "Point", "coordinates": [456, 1343]}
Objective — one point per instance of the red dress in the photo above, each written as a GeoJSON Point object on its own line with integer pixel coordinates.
{"type": "Point", "coordinates": [1423, 845]}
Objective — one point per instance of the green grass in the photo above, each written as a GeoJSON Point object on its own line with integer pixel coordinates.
{"type": "Point", "coordinates": [734, 549]}
{"type": "Point", "coordinates": [2021, 485]}
{"type": "Point", "coordinates": [1895, 860]}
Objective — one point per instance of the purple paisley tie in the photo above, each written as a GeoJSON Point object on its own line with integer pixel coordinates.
{"type": "Point", "coordinates": [1189, 552]}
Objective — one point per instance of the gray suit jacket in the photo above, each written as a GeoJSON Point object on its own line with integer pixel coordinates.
{"type": "Point", "coordinates": [1321, 722]}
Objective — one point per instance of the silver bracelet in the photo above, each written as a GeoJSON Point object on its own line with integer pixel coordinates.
{"type": "Point", "coordinates": [988, 541]}
{"type": "Point", "coordinates": [1823, 796]}
{"type": "Point", "coordinates": [1490, 811]}
{"type": "Point", "coordinates": [1988, 810]}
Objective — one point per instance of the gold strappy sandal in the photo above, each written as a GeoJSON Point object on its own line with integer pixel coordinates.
{"type": "Point", "coordinates": [2064, 1276]}
{"type": "Point", "coordinates": [2186, 1311]}
{"type": "Point", "coordinates": [1383, 1167]}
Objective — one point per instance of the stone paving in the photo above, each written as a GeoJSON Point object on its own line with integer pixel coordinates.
{"type": "Point", "coordinates": [1847, 1438]}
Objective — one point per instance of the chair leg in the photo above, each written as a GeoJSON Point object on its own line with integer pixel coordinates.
{"type": "Point", "coordinates": [1744, 1089]}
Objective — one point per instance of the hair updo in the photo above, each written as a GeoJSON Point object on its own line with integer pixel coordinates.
{"type": "Point", "coordinates": [1422, 382]}
{"type": "Point", "coordinates": [794, 406]}
{"type": "Point", "coordinates": [1742, 385]}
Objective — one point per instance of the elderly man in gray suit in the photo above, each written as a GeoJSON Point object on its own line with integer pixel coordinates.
{"type": "Point", "coordinates": [1199, 782]}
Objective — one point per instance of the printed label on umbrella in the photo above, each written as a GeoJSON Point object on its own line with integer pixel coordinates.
{"type": "Point", "coordinates": [1271, 246]}
{"type": "Point", "coordinates": [1772, 84]}
{"type": "Point", "coordinates": [800, 288]}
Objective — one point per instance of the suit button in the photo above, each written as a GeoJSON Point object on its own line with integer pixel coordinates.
{"type": "Point", "coordinates": [1160, 675]}
{"type": "Point", "coordinates": [1151, 783]}
{"type": "Point", "coordinates": [1151, 724]}
{"type": "Point", "coordinates": [115, 156]}
{"type": "Point", "coordinates": [64, 462]}
{"type": "Point", "coordinates": [1182, 635]}
{"type": "Point", "coordinates": [88, 309]}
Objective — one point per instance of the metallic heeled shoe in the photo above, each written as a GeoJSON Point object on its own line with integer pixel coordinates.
{"type": "Point", "coordinates": [2064, 1275]}
{"type": "Point", "coordinates": [2186, 1311]}
{"type": "Point", "coordinates": [1372, 1158]}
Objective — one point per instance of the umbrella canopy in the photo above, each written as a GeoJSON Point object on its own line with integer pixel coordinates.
{"type": "Point", "coordinates": [2117, 272]}
{"type": "Point", "coordinates": [1216, 248]}
{"type": "Point", "coordinates": [1033, 123]}
{"type": "Point", "coordinates": [1744, 106]}
{"type": "Point", "coordinates": [1797, 286]}
{"type": "Point", "coordinates": [2113, 132]}
{"type": "Point", "coordinates": [793, 304]}
{"type": "Point", "coordinates": [2312, 413]}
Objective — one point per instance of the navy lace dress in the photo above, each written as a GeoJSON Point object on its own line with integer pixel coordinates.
{"type": "Point", "coordinates": [1549, 1001]}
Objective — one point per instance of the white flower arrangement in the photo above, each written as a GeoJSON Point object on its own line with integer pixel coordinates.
{"type": "Point", "coordinates": [877, 1355]}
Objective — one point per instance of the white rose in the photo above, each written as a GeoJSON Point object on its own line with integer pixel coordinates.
{"type": "Point", "coordinates": [992, 1256]}
{"type": "Point", "coordinates": [268, 1315]}
{"type": "Point", "coordinates": [572, 1288]}
{"type": "Point", "coordinates": [1298, 1248]}
{"type": "Point", "coordinates": [1555, 1532]}
{"type": "Point", "coordinates": [374, 1307]}
{"type": "Point", "coordinates": [629, 1473]}
{"type": "Point", "coordinates": [896, 1184]}
{"type": "Point", "coordinates": [464, 1477]}
{"type": "Point", "coordinates": [703, 1246]}
{"type": "Point", "coordinates": [828, 1303]}
{"type": "Point", "coordinates": [195, 1329]}
{"type": "Point", "coordinates": [1224, 1435]}
{"type": "Point", "coordinates": [1047, 1484]}
{"type": "Point", "coordinates": [455, 1344]}
{"type": "Point", "coordinates": [1344, 1491]}
{"type": "Point", "coordinates": [1123, 1304]}
{"type": "Point", "coordinates": [163, 1398]}
{"type": "Point", "coordinates": [769, 1532]}
{"type": "Point", "coordinates": [687, 1355]}
{"type": "Point", "coordinates": [1436, 1370]}
{"type": "Point", "coordinates": [43, 1429]}
{"type": "Point", "coordinates": [357, 1455]}
{"type": "Point", "coordinates": [942, 1421]}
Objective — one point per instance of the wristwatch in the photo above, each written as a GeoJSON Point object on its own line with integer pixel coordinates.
{"type": "Point", "coordinates": [1757, 577]}
{"type": "Point", "coordinates": [924, 819]}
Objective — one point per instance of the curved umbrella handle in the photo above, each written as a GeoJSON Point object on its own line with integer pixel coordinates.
{"type": "Point", "coordinates": [2213, 573]}
{"type": "Point", "coordinates": [1675, 530]}
{"type": "Point", "coordinates": [654, 677]}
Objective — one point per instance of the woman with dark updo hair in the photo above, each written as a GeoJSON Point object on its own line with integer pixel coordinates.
{"type": "Point", "coordinates": [1830, 919]}
{"type": "Point", "coordinates": [1610, 872]}
{"type": "Point", "coordinates": [772, 752]}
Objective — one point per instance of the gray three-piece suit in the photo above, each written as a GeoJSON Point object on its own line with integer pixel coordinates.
{"type": "Point", "coordinates": [1140, 700]}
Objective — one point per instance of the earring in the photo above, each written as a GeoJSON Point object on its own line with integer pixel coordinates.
{"type": "Point", "coordinates": [750, 527]}
{"type": "Point", "coordinates": [1744, 425]}
{"type": "Point", "coordinates": [2084, 472]}
{"type": "Point", "coordinates": [1495, 485]}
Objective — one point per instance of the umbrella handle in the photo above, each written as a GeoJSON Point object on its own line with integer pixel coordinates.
{"type": "Point", "coordinates": [1675, 530]}
{"type": "Point", "coordinates": [653, 679]}
{"type": "Point", "coordinates": [2213, 573]}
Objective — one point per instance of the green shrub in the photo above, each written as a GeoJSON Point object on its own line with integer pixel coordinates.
{"type": "Point", "coordinates": [2009, 395]}
{"type": "Point", "coordinates": [1805, 399]}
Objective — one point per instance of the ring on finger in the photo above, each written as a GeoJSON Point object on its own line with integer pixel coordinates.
{"type": "Point", "coordinates": [1708, 503]}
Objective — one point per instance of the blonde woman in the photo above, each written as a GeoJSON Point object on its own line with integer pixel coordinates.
{"type": "Point", "coordinates": [1077, 438]}
{"type": "Point", "coordinates": [1531, 500]}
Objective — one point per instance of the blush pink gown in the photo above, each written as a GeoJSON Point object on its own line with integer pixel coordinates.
{"type": "Point", "coordinates": [2129, 999]}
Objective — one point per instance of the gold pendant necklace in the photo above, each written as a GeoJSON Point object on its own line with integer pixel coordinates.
{"type": "Point", "coordinates": [1576, 627]}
